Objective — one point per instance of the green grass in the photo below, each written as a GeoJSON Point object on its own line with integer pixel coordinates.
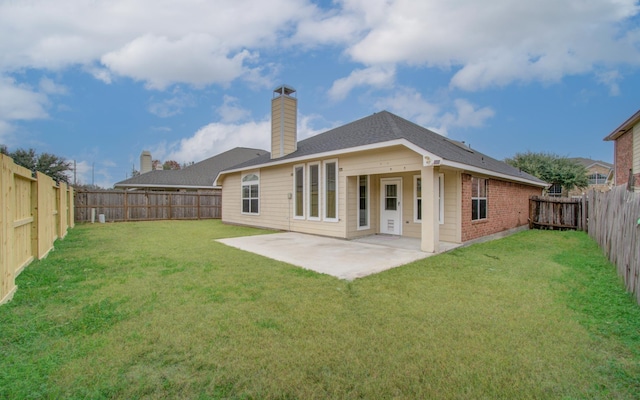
{"type": "Point", "coordinates": [161, 310]}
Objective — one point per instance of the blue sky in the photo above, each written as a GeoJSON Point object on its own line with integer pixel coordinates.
{"type": "Point", "coordinates": [99, 81]}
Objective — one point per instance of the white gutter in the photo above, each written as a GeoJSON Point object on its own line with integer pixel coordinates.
{"type": "Point", "coordinates": [142, 186]}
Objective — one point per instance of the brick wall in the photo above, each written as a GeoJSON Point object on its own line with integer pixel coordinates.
{"type": "Point", "coordinates": [507, 207]}
{"type": "Point", "coordinates": [623, 157]}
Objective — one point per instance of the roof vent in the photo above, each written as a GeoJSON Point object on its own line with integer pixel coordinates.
{"type": "Point", "coordinates": [462, 145]}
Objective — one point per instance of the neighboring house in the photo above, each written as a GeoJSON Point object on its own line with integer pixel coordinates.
{"type": "Point", "coordinates": [626, 139]}
{"type": "Point", "coordinates": [599, 173]}
{"type": "Point", "coordinates": [378, 175]}
{"type": "Point", "coordinates": [195, 177]}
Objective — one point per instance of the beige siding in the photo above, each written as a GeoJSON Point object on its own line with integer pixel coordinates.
{"type": "Point", "coordinates": [289, 121]}
{"type": "Point", "coordinates": [387, 161]}
{"type": "Point", "coordinates": [636, 148]}
{"type": "Point", "coordinates": [276, 209]}
{"type": "Point", "coordinates": [450, 230]}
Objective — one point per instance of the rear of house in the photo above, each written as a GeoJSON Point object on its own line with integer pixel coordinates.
{"type": "Point", "coordinates": [626, 138]}
{"type": "Point", "coordinates": [378, 175]}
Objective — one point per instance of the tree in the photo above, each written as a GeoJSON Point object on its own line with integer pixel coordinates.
{"type": "Point", "coordinates": [171, 164]}
{"type": "Point", "coordinates": [552, 168]}
{"type": "Point", "coordinates": [49, 164]}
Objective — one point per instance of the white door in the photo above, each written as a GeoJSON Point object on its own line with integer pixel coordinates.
{"type": "Point", "coordinates": [391, 206]}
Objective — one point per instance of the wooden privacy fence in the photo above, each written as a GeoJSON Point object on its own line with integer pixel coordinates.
{"type": "Point", "coordinates": [34, 212]}
{"type": "Point", "coordinates": [611, 218]}
{"type": "Point", "coordinates": [119, 205]}
{"type": "Point", "coordinates": [556, 213]}
{"type": "Point", "coordinates": [614, 222]}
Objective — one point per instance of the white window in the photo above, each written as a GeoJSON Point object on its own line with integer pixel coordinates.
{"type": "Point", "coordinates": [251, 194]}
{"type": "Point", "coordinates": [478, 198]}
{"type": "Point", "coordinates": [441, 199]}
{"type": "Point", "coordinates": [363, 202]}
{"type": "Point", "coordinates": [597, 179]}
{"type": "Point", "coordinates": [417, 198]}
{"type": "Point", "coordinates": [331, 190]}
{"type": "Point", "coordinates": [313, 178]}
{"type": "Point", "coordinates": [555, 190]}
{"type": "Point", "coordinates": [298, 191]}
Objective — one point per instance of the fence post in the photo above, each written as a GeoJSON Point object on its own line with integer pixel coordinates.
{"type": "Point", "coordinates": [585, 211]}
{"type": "Point", "coordinates": [7, 278]}
{"type": "Point", "coordinates": [125, 205]}
{"type": "Point", "coordinates": [71, 222]}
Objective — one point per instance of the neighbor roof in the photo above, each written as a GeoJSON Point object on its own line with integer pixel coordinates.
{"type": "Point", "coordinates": [200, 175]}
{"type": "Point", "coordinates": [383, 127]}
{"type": "Point", "coordinates": [587, 162]}
{"type": "Point", "coordinates": [624, 127]}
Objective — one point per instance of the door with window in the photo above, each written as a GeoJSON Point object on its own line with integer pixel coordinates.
{"type": "Point", "coordinates": [391, 206]}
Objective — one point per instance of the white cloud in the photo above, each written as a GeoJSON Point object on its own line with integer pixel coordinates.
{"type": "Point", "coordinates": [377, 76]}
{"type": "Point", "coordinates": [48, 86]}
{"type": "Point", "coordinates": [197, 59]}
{"type": "Point", "coordinates": [161, 42]}
{"type": "Point", "coordinates": [158, 42]}
{"type": "Point", "coordinates": [498, 42]}
{"type": "Point", "coordinates": [173, 105]}
{"type": "Point", "coordinates": [610, 79]}
{"type": "Point", "coordinates": [230, 111]}
{"type": "Point", "coordinates": [20, 102]}
{"type": "Point", "coordinates": [409, 104]}
{"type": "Point", "coordinates": [466, 115]}
{"type": "Point", "coordinates": [218, 137]}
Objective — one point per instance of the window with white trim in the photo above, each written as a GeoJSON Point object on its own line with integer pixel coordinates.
{"type": "Point", "coordinates": [597, 179]}
{"type": "Point", "coordinates": [555, 190]}
{"type": "Point", "coordinates": [314, 191]}
{"type": "Point", "coordinates": [478, 198]}
{"type": "Point", "coordinates": [363, 202]}
{"type": "Point", "coordinates": [331, 190]}
{"type": "Point", "coordinates": [441, 199]}
{"type": "Point", "coordinates": [251, 194]}
{"type": "Point", "coordinates": [417, 198]}
{"type": "Point", "coordinates": [298, 191]}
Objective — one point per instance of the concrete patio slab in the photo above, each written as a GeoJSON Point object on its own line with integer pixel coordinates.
{"type": "Point", "coordinates": [344, 259]}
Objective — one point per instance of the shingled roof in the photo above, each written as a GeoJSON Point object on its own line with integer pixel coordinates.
{"type": "Point", "coordinates": [384, 127]}
{"type": "Point", "coordinates": [200, 175]}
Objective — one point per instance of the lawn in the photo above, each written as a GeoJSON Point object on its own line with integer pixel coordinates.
{"type": "Point", "coordinates": [161, 310]}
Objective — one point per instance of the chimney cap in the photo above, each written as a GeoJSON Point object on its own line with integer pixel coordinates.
{"type": "Point", "coordinates": [284, 89]}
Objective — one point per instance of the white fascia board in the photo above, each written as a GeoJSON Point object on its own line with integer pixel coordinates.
{"type": "Point", "coordinates": [427, 156]}
{"type": "Point", "coordinates": [141, 186]}
{"type": "Point", "coordinates": [483, 171]}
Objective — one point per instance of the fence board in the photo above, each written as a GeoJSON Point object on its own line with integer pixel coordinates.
{"type": "Point", "coordinates": [119, 205]}
{"type": "Point", "coordinates": [613, 223]}
{"type": "Point", "coordinates": [33, 213]}
{"type": "Point", "coordinates": [555, 213]}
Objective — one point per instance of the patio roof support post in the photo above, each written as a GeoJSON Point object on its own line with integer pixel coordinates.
{"type": "Point", "coordinates": [430, 225]}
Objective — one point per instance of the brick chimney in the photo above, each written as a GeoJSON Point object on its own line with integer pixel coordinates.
{"type": "Point", "coordinates": [284, 111]}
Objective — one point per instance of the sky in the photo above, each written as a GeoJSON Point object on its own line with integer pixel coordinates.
{"type": "Point", "coordinates": [97, 82]}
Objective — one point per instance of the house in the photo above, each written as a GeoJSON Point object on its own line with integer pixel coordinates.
{"type": "Point", "coordinates": [381, 174]}
{"type": "Point", "coordinates": [195, 177]}
{"type": "Point", "coordinates": [599, 173]}
{"type": "Point", "coordinates": [626, 140]}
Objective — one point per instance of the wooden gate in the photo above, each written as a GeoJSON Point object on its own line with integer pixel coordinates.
{"type": "Point", "coordinates": [557, 213]}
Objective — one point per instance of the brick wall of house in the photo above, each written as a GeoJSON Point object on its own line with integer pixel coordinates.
{"type": "Point", "coordinates": [623, 157]}
{"type": "Point", "coordinates": [507, 207]}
